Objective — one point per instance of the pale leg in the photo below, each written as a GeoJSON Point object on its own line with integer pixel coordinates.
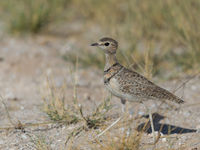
{"type": "Point", "coordinates": [151, 121]}
{"type": "Point", "coordinates": [152, 126]}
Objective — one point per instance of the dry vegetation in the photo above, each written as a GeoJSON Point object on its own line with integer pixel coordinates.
{"type": "Point", "coordinates": [157, 36]}
{"type": "Point", "coordinates": [30, 16]}
{"type": "Point", "coordinates": [169, 29]}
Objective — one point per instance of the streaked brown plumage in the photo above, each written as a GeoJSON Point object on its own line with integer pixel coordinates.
{"type": "Point", "coordinates": [127, 84]}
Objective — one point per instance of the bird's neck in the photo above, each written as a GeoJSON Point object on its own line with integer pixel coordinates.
{"type": "Point", "coordinates": [110, 61]}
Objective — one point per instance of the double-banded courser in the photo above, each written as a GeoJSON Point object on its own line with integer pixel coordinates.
{"type": "Point", "coordinates": [127, 84]}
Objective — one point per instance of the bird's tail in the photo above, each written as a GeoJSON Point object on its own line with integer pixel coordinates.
{"type": "Point", "coordinates": [172, 97]}
{"type": "Point", "coordinates": [178, 100]}
{"type": "Point", "coordinates": [169, 96]}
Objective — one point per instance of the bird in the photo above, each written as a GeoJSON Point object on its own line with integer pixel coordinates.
{"type": "Point", "coordinates": [126, 84]}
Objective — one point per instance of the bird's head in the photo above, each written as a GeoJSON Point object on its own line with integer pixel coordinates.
{"type": "Point", "coordinates": [109, 45]}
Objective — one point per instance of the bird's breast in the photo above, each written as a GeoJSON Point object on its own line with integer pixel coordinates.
{"type": "Point", "coordinates": [113, 86]}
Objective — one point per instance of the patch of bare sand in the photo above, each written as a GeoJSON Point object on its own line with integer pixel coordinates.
{"type": "Point", "coordinates": [26, 62]}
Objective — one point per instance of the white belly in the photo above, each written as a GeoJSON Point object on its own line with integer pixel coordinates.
{"type": "Point", "coordinates": [114, 87]}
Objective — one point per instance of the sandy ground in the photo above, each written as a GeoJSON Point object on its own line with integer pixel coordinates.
{"type": "Point", "coordinates": [26, 62]}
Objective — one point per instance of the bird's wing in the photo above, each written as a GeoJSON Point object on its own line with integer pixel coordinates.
{"type": "Point", "coordinates": [140, 86]}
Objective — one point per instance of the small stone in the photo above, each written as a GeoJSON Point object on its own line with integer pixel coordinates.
{"type": "Point", "coordinates": [198, 129]}
{"type": "Point", "coordinates": [141, 113]}
{"type": "Point", "coordinates": [164, 139]}
{"type": "Point", "coordinates": [186, 114]}
{"type": "Point", "coordinates": [53, 146]}
{"type": "Point", "coordinates": [24, 136]}
{"type": "Point", "coordinates": [153, 106]}
{"type": "Point", "coordinates": [180, 143]}
{"type": "Point", "coordinates": [122, 129]}
{"type": "Point", "coordinates": [131, 112]}
{"type": "Point", "coordinates": [1, 142]}
{"type": "Point", "coordinates": [193, 87]}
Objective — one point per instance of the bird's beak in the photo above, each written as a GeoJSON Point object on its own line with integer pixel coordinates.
{"type": "Point", "coordinates": [95, 44]}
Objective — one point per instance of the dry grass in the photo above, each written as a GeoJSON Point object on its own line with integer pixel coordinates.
{"type": "Point", "coordinates": [171, 27]}
{"type": "Point", "coordinates": [114, 139]}
{"type": "Point", "coordinates": [54, 105]}
{"type": "Point", "coordinates": [40, 143]}
{"type": "Point", "coordinates": [122, 142]}
{"type": "Point", "coordinates": [95, 120]}
{"type": "Point", "coordinates": [30, 16]}
{"type": "Point", "coordinates": [120, 137]}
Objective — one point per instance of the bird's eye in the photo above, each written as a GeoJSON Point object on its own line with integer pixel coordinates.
{"type": "Point", "coordinates": [107, 44]}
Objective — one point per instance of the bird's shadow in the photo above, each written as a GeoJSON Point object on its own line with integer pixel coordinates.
{"type": "Point", "coordinates": [163, 128]}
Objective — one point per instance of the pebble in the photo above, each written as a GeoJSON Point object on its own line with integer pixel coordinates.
{"type": "Point", "coordinates": [122, 129]}
{"type": "Point", "coordinates": [24, 136]}
{"type": "Point", "coordinates": [53, 146]}
{"type": "Point", "coordinates": [141, 113]}
{"type": "Point", "coordinates": [186, 113]}
{"type": "Point", "coordinates": [193, 87]}
{"type": "Point", "coordinates": [131, 111]}
{"type": "Point", "coordinates": [164, 139]}
{"type": "Point", "coordinates": [1, 142]}
{"type": "Point", "coordinates": [153, 106]}
{"type": "Point", "coordinates": [156, 134]}
{"type": "Point", "coordinates": [198, 129]}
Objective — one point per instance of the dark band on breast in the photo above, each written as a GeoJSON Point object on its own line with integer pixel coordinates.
{"type": "Point", "coordinates": [111, 67]}
{"type": "Point", "coordinates": [108, 79]}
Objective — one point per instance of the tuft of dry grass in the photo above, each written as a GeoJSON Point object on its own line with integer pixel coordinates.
{"type": "Point", "coordinates": [54, 105]}
{"type": "Point", "coordinates": [124, 137]}
{"type": "Point", "coordinates": [122, 142]}
{"type": "Point", "coordinates": [30, 16]}
{"type": "Point", "coordinates": [40, 143]}
{"type": "Point", "coordinates": [95, 120]}
{"type": "Point", "coordinates": [98, 117]}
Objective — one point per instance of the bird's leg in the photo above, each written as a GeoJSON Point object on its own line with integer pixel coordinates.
{"type": "Point", "coordinates": [151, 121]}
{"type": "Point", "coordinates": [123, 101]}
{"type": "Point", "coordinates": [152, 126]}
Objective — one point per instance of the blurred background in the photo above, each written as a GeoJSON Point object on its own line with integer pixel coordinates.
{"type": "Point", "coordinates": [169, 29]}
{"type": "Point", "coordinates": [48, 70]}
